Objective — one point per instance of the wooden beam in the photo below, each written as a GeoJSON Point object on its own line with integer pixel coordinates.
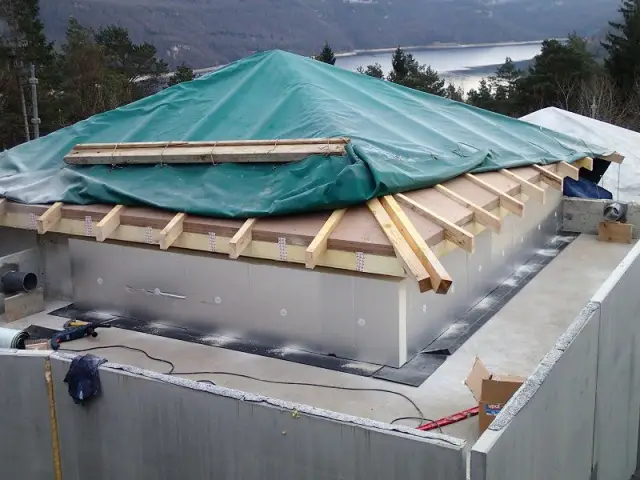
{"type": "Point", "coordinates": [549, 178]}
{"type": "Point", "coordinates": [527, 187]}
{"type": "Point", "coordinates": [3, 206]}
{"type": "Point", "coordinates": [452, 232]}
{"type": "Point", "coordinates": [566, 170]}
{"type": "Point", "coordinates": [226, 143]}
{"type": "Point", "coordinates": [615, 157]}
{"type": "Point", "coordinates": [481, 215]}
{"type": "Point", "coordinates": [586, 162]}
{"type": "Point", "coordinates": [50, 218]}
{"type": "Point", "coordinates": [506, 201]}
{"type": "Point", "coordinates": [242, 238]}
{"type": "Point", "coordinates": [183, 154]}
{"type": "Point", "coordinates": [172, 231]}
{"type": "Point", "coordinates": [109, 223]}
{"type": "Point", "coordinates": [319, 244]}
{"type": "Point", "coordinates": [402, 234]}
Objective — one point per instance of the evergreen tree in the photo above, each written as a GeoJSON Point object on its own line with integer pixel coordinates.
{"type": "Point", "coordinates": [503, 84]}
{"type": "Point", "coordinates": [374, 70]}
{"type": "Point", "coordinates": [400, 65]}
{"type": "Point", "coordinates": [482, 97]}
{"type": "Point", "coordinates": [326, 55]}
{"type": "Point", "coordinates": [453, 93]}
{"type": "Point", "coordinates": [623, 47]}
{"type": "Point", "coordinates": [184, 73]}
{"type": "Point", "coordinates": [409, 73]}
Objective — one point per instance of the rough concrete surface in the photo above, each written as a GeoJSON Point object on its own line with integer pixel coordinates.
{"type": "Point", "coordinates": [546, 431]}
{"type": "Point", "coordinates": [25, 442]}
{"type": "Point", "coordinates": [157, 428]}
{"type": "Point", "coordinates": [583, 215]}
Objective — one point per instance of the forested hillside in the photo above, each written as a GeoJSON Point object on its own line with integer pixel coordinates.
{"type": "Point", "coordinates": [209, 32]}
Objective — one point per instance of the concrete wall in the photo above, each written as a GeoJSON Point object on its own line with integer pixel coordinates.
{"type": "Point", "coordinates": [583, 216]}
{"type": "Point", "coordinates": [150, 426]}
{"type": "Point", "coordinates": [577, 417]}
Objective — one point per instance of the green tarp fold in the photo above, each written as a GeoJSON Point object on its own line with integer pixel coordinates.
{"type": "Point", "coordinates": [401, 140]}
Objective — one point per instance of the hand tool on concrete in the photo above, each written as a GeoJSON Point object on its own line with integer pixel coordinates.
{"type": "Point", "coordinates": [75, 329]}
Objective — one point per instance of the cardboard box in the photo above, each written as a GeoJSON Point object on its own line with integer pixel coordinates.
{"type": "Point", "coordinates": [491, 391]}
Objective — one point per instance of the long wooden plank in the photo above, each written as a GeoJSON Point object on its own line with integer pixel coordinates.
{"type": "Point", "coordinates": [395, 222]}
{"type": "Point", "coordinates": [481, 215]}
{"type": "Point", "coordinates": [50, 218]}
{"type": "Point", "coordinates": [452, 232]}
{"type": "Point", "coordinates": [226, 143]}
{"type": "Point", "coordinates": [319, 244]}
{"type": "Point", "coordinates": [586, 162]}
{"type": "Point", "coordinates": [528, 188]}
{"type": "Point", "coordinates": [196, 154]}
{"type": "Point", "coordinates": [172, 231]}
{"type": "Point", "coordinates": [550, 178]}
{"type": "Point", "coordinates": [109, 223]}
{"type": "Point", "coordinates": [3, 205]}
{"type": "Point", "coordinates": [242, 238]}
{"type": "Point", "coordinates": [566, 170]}
{"type": "Point", "coordinates": [506, 201]}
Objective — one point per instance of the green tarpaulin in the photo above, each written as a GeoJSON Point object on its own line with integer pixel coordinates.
{"type": "Point", "coordinates": [401, 140]}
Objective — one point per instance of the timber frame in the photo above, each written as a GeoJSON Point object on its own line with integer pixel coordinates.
{"type": "Point", "coordinates": [396, 235]}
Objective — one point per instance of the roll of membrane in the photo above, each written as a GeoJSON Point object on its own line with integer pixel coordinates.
{"type": "Point", "coordinates": [10, 338]}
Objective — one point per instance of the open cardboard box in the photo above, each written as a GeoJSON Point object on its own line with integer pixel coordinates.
{"type": "Point", "coordinates": [491, 391]}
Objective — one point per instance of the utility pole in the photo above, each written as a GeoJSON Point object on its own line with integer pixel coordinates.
{"type": "Point", "coordinates": [33, 81]}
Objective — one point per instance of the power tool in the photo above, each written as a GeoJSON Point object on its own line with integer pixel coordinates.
{"type": "Point", "coordinates": [74, 330]}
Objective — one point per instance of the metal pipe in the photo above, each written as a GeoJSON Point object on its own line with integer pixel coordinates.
{"type": "Point", "coordinates": [10, 338]}
{"type": "Point", "coordinates": [17, 282]}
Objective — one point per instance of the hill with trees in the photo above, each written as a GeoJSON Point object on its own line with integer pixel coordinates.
{"type": "Point", "coordinates": [204, 33]}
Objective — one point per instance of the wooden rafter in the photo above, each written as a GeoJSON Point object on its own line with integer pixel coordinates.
{"type": "Point", "coordinates": [452, 232]}
{"type": "Point", "coordinates": [50, 218]}
{"type": "Point", "coordinates": [481, 215]}
{"type": "Point", "coordinates": [506, 201]}
{"type": "Point", "coordinates": [387, 209]}
{"type": "Point", "coordinates": [615, 157]}
{"type": "Point", "coordinates": [242, 238]}
{"type": "Point", "coordinates": [527, 187]}
{"type": "Point", "coordinates": [319, 244]}
{"type": "Point", "coordinates": [586, 162]}
{"type": "Point", "coordinates": [550, 178]}
{"type": "Point", "coordinates": [3, 205]}
{"type": "Point", "coordinates": [108, 224]}
{"type": "Point", "coordinates": [172, 231]}
{"type": "Point", "coordinates": [566, 170]}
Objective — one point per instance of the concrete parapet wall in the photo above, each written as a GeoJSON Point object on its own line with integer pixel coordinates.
{"type": "Point", "coordinates": [577, 416]}
{"type": "Point", "coordinates": [151, 426]}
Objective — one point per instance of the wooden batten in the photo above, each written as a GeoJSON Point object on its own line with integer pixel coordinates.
{"type": "Point", "coordinates": [482, 216]}
{"type": "Point", "coordinates": [550, 178]}
{"type": "Point", "coordinates": [528, 188]}
{"type": "Point", "coordinates": [109, 223]}
{"type": "Point", "coordinates": [50, 218]}
{"type": "Point", "coordinates": [387, 209]}
{"type": "Point", "coordinates": [319, 244]}
{"type": "Point", "coordinates": [452, 232]}
{"type": "Point", "coordinates": [3, 205]}
{"type": "Point", "coordinates": [229, 143]}
{"type": "Point", "coordinates": [172, 231]}
{"type": "Point", "coordinates": [506, 201]}
{"type": "Point", "coordinates": [567, 170]}
{"type": "Point", "coordinates": [615, 157]}
{"type": "Point", "coordinates": [242, 238]}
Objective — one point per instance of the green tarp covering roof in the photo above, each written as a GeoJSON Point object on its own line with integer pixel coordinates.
{"type": "Point", "coordinates": [401, 140]}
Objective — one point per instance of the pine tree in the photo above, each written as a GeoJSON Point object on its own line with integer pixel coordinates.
{"type": "Point", "coordinates": [623, 47]}
{"type": "Point", "coordinates": [374, 70]}
{"type": "Point", "coordinates": [482, 97]}
{"type": "Point", "coordinates": [400, 66]}
{"type": "Point", "coordinates": [184, 73]}
{"type": "Point", "coordinates": [326, 55]}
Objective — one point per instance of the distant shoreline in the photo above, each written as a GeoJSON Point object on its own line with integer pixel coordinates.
{"type": "Point", "coordinates": [435, 46]}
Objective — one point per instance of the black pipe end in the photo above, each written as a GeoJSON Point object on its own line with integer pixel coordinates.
{"type": "Point", "coordinates": [16, 282]}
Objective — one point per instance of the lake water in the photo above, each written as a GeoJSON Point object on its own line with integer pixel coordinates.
{"type": "Point", "coordinates": [463, 65]}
